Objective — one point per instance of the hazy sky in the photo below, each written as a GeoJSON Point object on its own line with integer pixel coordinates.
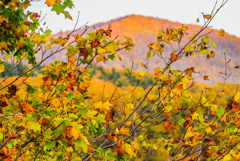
{"type": "Point", "coordinates": [183, 11]}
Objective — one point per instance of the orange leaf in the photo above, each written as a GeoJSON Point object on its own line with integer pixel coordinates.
{"type": "Point", "coordinates": [168, 126]}
{"type": "Point", "coordinates": [207, 153]}
{"type": "Point", "coordinates": [207, 16]}
{"type": "Point", "coordinates": [205, 77]}
{"type": "Point", "coordinates": [174, 57]}
{"type": "Point", "coordinates": [50, 2]}
{"type": "Point", "coordinates": [47, 82]}
{"type": "Point", "coordinates": [26, 108]}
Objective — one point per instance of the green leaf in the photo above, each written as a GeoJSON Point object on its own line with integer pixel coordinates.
{"type": "Point", "coordinates": [105, 41]}
{"type": "Point", "coordinates": [112, 47]}
{"type": "Point", "coordinates": [59, 157]}
{"type": "Point", "coordinates": [101, 117]}
{"type": "Point", "coordinates": [144, 144]}
{"type": "Point", "coordinates": [58, 8]}
{"type": "Point", "coordinates": [68, 3]}
{"type": "Point", "coordinates": [80, 143]}
{"type": "Point", "coordinates": [148, 54]}
{"type": "Point", "coordinates": [101, 151]}
{"type": "Point", "coordinates": [70, 96]}
{"type": "Point", "coordinates": [232, 126]}
{"type": "Point", "coordinates": [219, 112]}
{"type": "Point", "coordinates": [67, 15]}
{"type": "Point", "coordinates": [181, 121]}
{"type": "Point", "coordinates": [112, 56]}
{"type": "Point", "coordinates": [49, 145]}
{"type": "Point", "coordinates": [184, 104]}
{"type": "Point", "coordinates": [34, 126]}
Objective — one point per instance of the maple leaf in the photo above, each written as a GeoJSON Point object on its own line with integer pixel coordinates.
{"type": "Point", "coordinates": [50, 2]}
{"type": "Point", "coordinates": [189, 71]}
{"type": "Point", "coordinates": [124, 131]}
{"type": "Point", "coordinates": [47, 82]}
{"type": "Point", "coordinates": [158, 71]}
{"type": "Point", "coordinates": [35, 15]}
{"type": "Point", "coordinates": [174, 57]}
{"type": "Point", "coordinates": [207, 153]}
{"type": "Point", "coordinates": [71, 59]}
{"type": "Point", "coordinates": [3, 45]}
{"type": "Point", "coordinates": [234, 106]}
{"type": "Point", "coordinates": [112, 137]}
{"type": "Point", "coordinates": [26, 108]}
{"type": "Point", "coordinates": [119, 56]}
{"type": "Point", "coordinates": [168, 126]}
{"type": "Point", "coordinates": [78, 38]}
{"type": "Point", "coordinates": [12, 89]}
{"type": "Point", "coordinates": [3, 100]}
{"type": "Point", "coordinates": [83, 87]}
{"type": "Point", "coordinates": [101, 57]}
{"type": "Point", "coordinates": [205, 77]}
{"type": "Point", "coordinates": [44, 122]}
{"type": "Point", "coordinates": [221, 32]}
{"type": "Point", "coordinates": [109, 116]}
{"type": "Point", "coordinates": [184, 28]}
{"type": "Point", "coordinates": [84, 52]}
{"type": "Point", "coordinates": [143, 65]}
{"type": "Point", "coordinates": [48, 47]}
{"type": "Point", "coordinates": [108, 31]}
{"type": "Point", "coordinates": [207, 16]}
{"type": "Point", "coordinates": [94, 43]}
{"type": "Point", "coordinates": [223, 92]}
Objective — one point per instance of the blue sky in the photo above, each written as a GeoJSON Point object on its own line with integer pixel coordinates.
{"type": "Point", "coordinates": [183, 11]}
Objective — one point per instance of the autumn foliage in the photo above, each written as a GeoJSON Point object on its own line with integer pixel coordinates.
{"type": "Point", "coordinates": [60, 119]}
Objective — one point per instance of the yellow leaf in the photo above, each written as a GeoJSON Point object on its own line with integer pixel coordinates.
{"type": "Point", "coordinates": [92, 114]}
{"type": "Point", "coordinates": [143, 65]}
{"type": "Point", "coordinates": [223, 92]}
{"type": "Point", "coordinates": [3, 45]}
{"type": "Point", "coordinates": [48, 47]}
{"type": "Point", "coordinates": [227, 158]}
{"type": "Point", "coordinates": [154, 147]}
{"type": "Point", "coordinates": [50, 2]}
{"type": "Point", "coordinates": [124, 131]}
{"type": "Point", "coordinates": [209, 130]}
{"type": "Point", "coordinates": [78, 38]}
{"type": "Point", "coordinates": [101, 58]}
{"type": "Point", "coordinates": [214, 108]}
{"type": "Point", "coordinates": [1, 18]}
{"type": "Point", "coordinates": [75, 133]}
{"type": "Point", "coordinates": [237, 97]}
{"type": "Point", "coordinates": [2, 68]}
{"type": "Point", "coordinates": [130, 105]}
{"type": "Point", "coordinates": [119, 57]}
{"type": "Point", "coordinates": [184, 28]}
{"type": "Point", "coordinates": [141, 74]}
{"type": "Point", "coordinates": [128, 123]}
{"type": "Point", "coordinates": [221, 32]}
{"type": "Point", "coordinates": [107, 106]}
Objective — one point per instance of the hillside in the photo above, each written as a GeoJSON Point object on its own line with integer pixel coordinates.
{"type": "Point", "coordinates": [143, 31]}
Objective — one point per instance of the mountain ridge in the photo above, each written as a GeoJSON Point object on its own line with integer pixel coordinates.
{"type": "Point", "coordinates": [144, 29]}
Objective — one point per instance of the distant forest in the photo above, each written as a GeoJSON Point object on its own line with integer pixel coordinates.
{"type": "Point", "coordinates": [98, 72]}
{"type": "Point", "coordinates": [19, 69]}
